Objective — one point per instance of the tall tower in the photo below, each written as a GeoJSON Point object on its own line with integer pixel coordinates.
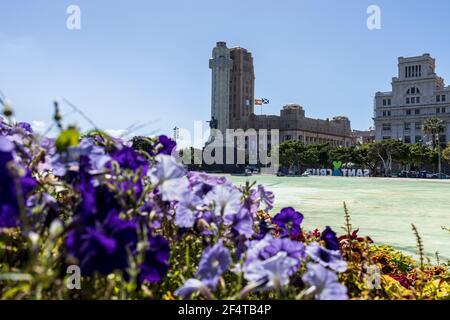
{"type": "Point", "coordinates": [242, 85]}
{"type": "Point", "coordinates": [221, 65]}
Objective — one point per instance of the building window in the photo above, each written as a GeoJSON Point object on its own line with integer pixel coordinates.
{"type": "Point", "coordinates": [408, 126]}
{"type": "Point", "coordinates": [386, 137]}
{"type": "Point", "coordinates": [417, 111]}
{"type": "Point", "coordinates": [386, 126]}
{"type": "Point", "coordinates": [389, 102]}
{"type": "Point", "coordinates": [438, 98]}
{"type": "Point", "coordinates": [443, 110]}
{"type": "Point", "coordinates": [418, 139]}
{"type": "Point", "coordinates": [418, 126]}
{"type": "Point", "coordinates": [417, 99]}
{"type": "Point", "coordinates": [438, 110]}
{"type": "Point", "coordinates": [413, 100]}
{"type": "Point", "coordinates": [407, 100]}
{"type": "Point", "coordinates": [408, 112]}
{"type": "Point", "coordinates": [407, 139]}
{"type": "Point", "coordinates": [443, 98]}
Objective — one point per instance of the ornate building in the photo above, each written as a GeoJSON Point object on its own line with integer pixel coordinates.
{"type": "Point", "coordinates": [233, 104]}
{"type": "Point", "coordinates": [417, 94]}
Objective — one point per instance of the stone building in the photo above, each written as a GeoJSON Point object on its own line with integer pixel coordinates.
{"type": "Point", "coordinates": [418, 93]}
{"type": "Point", "coordinates": [235, 101]}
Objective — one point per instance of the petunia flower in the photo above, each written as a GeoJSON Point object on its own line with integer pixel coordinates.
{"type": "Point", "coordinates": [271, 273]}
{"type": "Point", "coordinates": [289, 221]}
{"type": "Point", "coordinates": [170, 178]}
{"type": "Point", "coordinates": [331, 241]}
{"type": "Point", "coordinates": [9, 206]}
{"type": "Point", "coordinates": [267, 197]}
{"type": "Point", "coordinates": [327, 258]}
{"type": "Point", "coordinates": [324, 283]}
{"type": "Point", "coordinates": [241, 222]}
{"type": "Point", "coordinates": [214, 261]}
{"type": "Point", "coordinates": [226, 200]}
{"type": "Point", "coordinates": [190, 286]}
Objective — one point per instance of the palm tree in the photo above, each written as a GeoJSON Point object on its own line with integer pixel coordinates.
{"type": "Point", "coordinates": [434, 126]}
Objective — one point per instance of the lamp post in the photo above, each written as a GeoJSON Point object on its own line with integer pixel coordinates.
{"type": "Point", "coordinates": [439, 155]}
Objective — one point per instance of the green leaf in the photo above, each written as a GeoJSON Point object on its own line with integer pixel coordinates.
{"type": "Point", "coordinates": [67, 138]}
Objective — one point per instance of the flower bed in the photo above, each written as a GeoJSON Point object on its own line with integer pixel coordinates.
{"type": "Point", "coordinates": [137, 225]}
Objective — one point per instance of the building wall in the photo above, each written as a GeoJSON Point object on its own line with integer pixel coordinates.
{"type": "Point", "coordinates": [221, 65]}
{"type": "Point", "coordinates": [417, 94]}
{"type": "Point", "coordinates": [242, 84]}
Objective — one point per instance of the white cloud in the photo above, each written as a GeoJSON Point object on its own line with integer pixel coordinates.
{"type": "Point", "coordinates": [38, 126]}
{"type": "Point", "coordinates": [117, 133]}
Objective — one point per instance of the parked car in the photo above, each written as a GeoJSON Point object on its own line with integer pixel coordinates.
{"type": "Point", "coordinates": [440, 176]}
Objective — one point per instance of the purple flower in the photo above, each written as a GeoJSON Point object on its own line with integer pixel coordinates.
{"type": "Point", "coordinates": [25, 126]}
{"type": "Point", "coordinates": [271, 273]}
{"type": "Point", "coordinates": [186, 211]}
{"type": "Point", "coordinates": [214, 261]}
{"type": "Point", "coordinates": [327, 258]}
{"type": "Point", "coordinates": [166, 145]}
{"type": "Point", "coordinates": [241, 222]}
{"type": "Point", "coordinates": [324, 283]}
{"type": "Point", "coordinates": [269, 247]}
{"type": "Point", "coordinates": [128, 158]}
{"type": "Point", "coordinates": [170, 178]}
{"type": "Point", "coordinates": [190, 286]}
{"type": "Point", "coordinates": [226, 200]}
{"type": "Point", "coordinates": [266, 197]}
{"type": "Point", "coordinates": [156, 261]}
{"type": "Point", "coordinates": [203, 183]}
{"type": "Point", "coordinates": [331, 241]}
{"type": "Point", "coordinates": [289, 221]}
{"type": "Point", "coordinates": [9, 206]}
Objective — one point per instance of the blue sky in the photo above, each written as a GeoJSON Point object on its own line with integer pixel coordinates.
{"type": "Point", "coordinates": [147, 61]}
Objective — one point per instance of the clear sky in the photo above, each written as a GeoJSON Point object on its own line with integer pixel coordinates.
{"type": "Point", "coordinates": [146, 61]}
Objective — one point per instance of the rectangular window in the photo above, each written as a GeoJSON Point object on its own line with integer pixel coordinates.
{"type": "Point", "coordinates": [407, 125]}
{"type": "Point", "coordinates": [417, 99]}
{"type": "Point", "coordinates": [418, 139]}
{"type": "Point", "coordinates": [407, 100]}
{"type": "Point", "coordinates": [408, 112]}
{"type": "Point", "coordinates": [407, 139]}
{"type": "Point", "coordinates": [386, 137]}
{"type": "Point", "coordinates": [413, 100]}
{"type": "Point", "coordinates": [386, 126]}
{"type": "Point", "coordinates": [384, 113]}
{"type": "Point", "coordinates": [438, 98]}
{"type": "Point", "coordinates": [438, 110]}
{"type": "Point", "coordinates": [418, 126]}
{"type": "Point", "coordinates": [443, 97]}
{"type": "Point", "coordinates": [384, 102]}
{"type": "Point", "coordinates": [389, 113]}
{"type": "Point", "coordinates": [417, 111]}
{"type": "Point", "coordinates": [444, 110]}
{"type": "Point", "coordinates": [389, 102]}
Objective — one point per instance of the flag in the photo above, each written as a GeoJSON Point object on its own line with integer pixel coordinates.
{"type": "Point", "coordinates": [260, 102]}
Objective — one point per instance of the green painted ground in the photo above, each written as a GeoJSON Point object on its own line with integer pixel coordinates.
{"type": "Point", "coordinates": [382, 208]}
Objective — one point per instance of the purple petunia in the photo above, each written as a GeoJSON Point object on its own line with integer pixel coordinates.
{"type": "Point", "coordinates": [267, 197]}
{"type": "Point", "coordinates": [128, 158]}
{"type": "Point", "coordinates": [269, 247]}
{"type": "Point", "coordinates": [9, 206]}
{"type": "Point", "coordinates": [214, 261]}
{"type": "Point", "coordinates": [225, 200]}
{"type": "Point", "coordinates": [324, 283]}
{"type": "Point", "coordinates": [331, 241]}
{"type": "Point", "coordinates": [327, 258]}
{"type": "Point", "coordinates": [170, 178]}
{"type": "Point", "coordinates": [288, 221]}
{"type": "Point", "coordinates": [166, 145]}
{"type": "Point", "coordinates": [241, 222]}
{"type": "Point", "coordinates": [270, 273]}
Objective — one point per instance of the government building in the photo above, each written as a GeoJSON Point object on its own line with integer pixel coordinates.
{"type": "Point", "coordinates": [233, 104]}
{"type": "Point", "coordinates": [417, 94]}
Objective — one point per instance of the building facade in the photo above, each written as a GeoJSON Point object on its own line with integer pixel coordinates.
{"type": "Point", "coordinates": [418, 93]}
{"type": "Point", "coordinates": [236, 110]}
{"type": "Point", "coordinates": [221, 65]}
